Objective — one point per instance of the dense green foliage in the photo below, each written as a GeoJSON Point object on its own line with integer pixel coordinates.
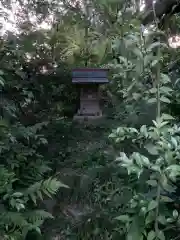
{"type": "Point", "coordinates": [42, 149]}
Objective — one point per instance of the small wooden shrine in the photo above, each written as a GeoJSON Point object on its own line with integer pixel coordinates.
{"type": "Point", "coordinates": [88, 81]}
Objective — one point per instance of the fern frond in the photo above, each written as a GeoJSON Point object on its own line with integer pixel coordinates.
{"type": "Point", "coordinates": [6, 179]}
{"type": "Point", "coordinates": [37, 215]}
{"type": "Point", "coordinates": [34, 172]}
{"type": "Point", "coordinates": [13, 218]}
{"type": "Point", "coordinates": [15, 235]}
{"type": "Point", "coordinates": [48, 187]}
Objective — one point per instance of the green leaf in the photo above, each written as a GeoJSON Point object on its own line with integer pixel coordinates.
{"type": "Point", "coordinates": [155, 123]}
{"type": "Point", "coordinates": [151, 149]}
{"type": "Point", "coordinates": [156, 168]}
{"type": "Point", "coordinates": [134, 232]}
{"type": "Point", "coordinates": [138, 159]}
{"type": "Point", "coordinates": [39, 194]}
{"type": "Point", "coordinates": [165, 99]}
{"type": "Point", "coordinates": [123, 218]}
{"type": "Point", "coordinates": [144, 131]}
{"type": "Point", "coordinates": [38, 230]}
{"type": "Point", "coordinates": [155, 45]}
{"type": "Point", "coordinates": [154, 63]}
{"type": "Point", "coordinates": [174, 167]}
{"type": "Point", "coordinates": [145, 161]}
{"type": "Point", "coordinates": [1, 81]}
{"type": "Point", "coordinates": [167, 187]}
{"type": "Point", "coordinates": [151, 235]}
{"type": "Point", "coordinates": [174, 142]}
{"type": "Point", "coordinates": [136, 96]}
{"type": "Point", "coordinates": [162, 219]}
{"type": "Point", "coordinates": [166, 90]}
{"type": "Point", "coordinates": [17, 194]}
{"type": "Point", "coordinates": [170, 220]}
{"type": "Point", "coordinates": [152, 100]}
{"type": "Point", "coordinates": [167, 117]}
{"type": "Point", "coordinates": [112, 135]}
{"type": "Point", "coordinates": [153, 90]}
{"type": "Point", "coordinates": [165, 78]}
{"type": "Point", "coordinates": [173, 171]}
{"type": "Point", "coordinates": [161, 235]}
{"type": "Point", "coordinates": [175, 213]}
{"type": "Point", "coordinates": [152, 183]}
{"type": "Point", "coordinates": [152, 205]}
{"type": "Point", "coordinates": [133, 169]}
{"type": "Point", "coordinates": [43, 141]}
{"type": "Point", "coordinates": [138, 53]}
{"type": "Point", "coordinates": [148, 59]}
{"type": "Point", "coordinates": [150, 218]}
{"type": "Point", "coordinates": [33, 198]}
{"type": "Point", "coordinates": [166, 199]}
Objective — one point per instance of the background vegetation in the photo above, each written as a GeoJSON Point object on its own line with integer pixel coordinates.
{"type": "Point", "coordinates": [43, 153]}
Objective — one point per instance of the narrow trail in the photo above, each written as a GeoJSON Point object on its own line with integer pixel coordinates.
{"type": "Point", "coordinates": [86, 147]}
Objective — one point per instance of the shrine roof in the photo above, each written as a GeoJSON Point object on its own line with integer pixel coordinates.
{"type": "Point", "coordinates": [89, 75]}
{"type": "Point", "coordinates": [90, 80]}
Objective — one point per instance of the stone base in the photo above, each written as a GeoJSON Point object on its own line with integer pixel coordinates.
{"type": "Point", "coordinates": [82, 118]}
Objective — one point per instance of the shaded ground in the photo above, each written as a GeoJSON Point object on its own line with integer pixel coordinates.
{"type": "Point", "coordinates": [85, 163]}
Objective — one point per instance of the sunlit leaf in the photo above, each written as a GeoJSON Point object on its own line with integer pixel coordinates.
{"type": "Point", "coordinates": [152, 100]}
{"type": "Point", "coordinates": [152, 149]}
{"type": "Point", "coordinates": [154, 63]}
{"type": "Point", "coordinates": [165, 78]}
{"type": "Point", "coordinates": [155, 45]}
{"type": "Point", "coordinates": [152, 183]}
{"type": "Point", "coordinates": [161, 235]}
{"type": "Point", "coordinates": [166, 90]}
{"type": "Point", "coordinates": [165, 99]}
{"type": "Point", "coordinates": [166, 199]}
{"type": "Point", "coordinates": [1, 81]}
{"type": "Point", "coordinates": [167, 117]}
{"type": "Point", "coordinates": [174, 142]}
{"type": "Point", "coordinates": [175, 213]}
{"type": "Point", "coordinates": [151, 235]}
{"type": "Point", "coordinates": [123, 218]}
